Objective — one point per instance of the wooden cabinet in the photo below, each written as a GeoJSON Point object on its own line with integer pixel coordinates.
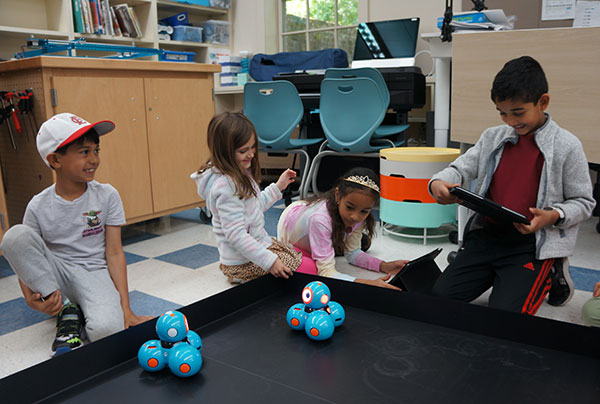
{"type": "Point", "coordinates": [53, 19]}
{"type": "Point", "coordinates": [161, 111]}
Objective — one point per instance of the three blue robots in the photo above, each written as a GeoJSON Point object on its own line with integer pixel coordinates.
{"type": "Point", "coordinates": [177, 347]}
{"type": "Point", "coordinates": [318, 315]}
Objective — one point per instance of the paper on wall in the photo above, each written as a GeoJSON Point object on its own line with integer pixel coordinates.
{"type": "Point", "coordinates": [587, 14]}
{"type": "Point", "coordinates": [558, 9]}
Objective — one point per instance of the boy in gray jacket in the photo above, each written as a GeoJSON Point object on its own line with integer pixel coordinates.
{"type": "Point", "coordinates": [534, 167]}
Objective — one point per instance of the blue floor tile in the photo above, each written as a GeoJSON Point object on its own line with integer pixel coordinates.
{"type": "Point", "coordinates": [191, 215]}
{"type": "Point", "coordinates": [271, 219]}
{"type": "Point", "coordinates": [192, 257]}
{"type": "Point", "coordinates": [5, 269]}
{"type": "Point", "coordinates": [15, 314]}
{"type": "Point", "coordinates": [143, 304]}
{"type": "Point", "coordinates": [584, 278]}
{"type": "Point", "coordinates": [133, 258]}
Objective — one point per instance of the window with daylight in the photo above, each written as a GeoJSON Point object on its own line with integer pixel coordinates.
{"type": "Point", "coordinates": [318, 24]}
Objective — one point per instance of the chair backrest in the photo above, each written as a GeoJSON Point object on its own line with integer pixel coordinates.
{"type": "Point", "coordinates": [350, 111]}
{"type": "Point", "coordinates": [275, 109]}
{"type": "Point", "coordinates": [369, 72]}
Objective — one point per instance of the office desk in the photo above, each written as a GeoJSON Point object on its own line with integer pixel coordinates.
{"type": "Point", "coordinates": [393, 347]}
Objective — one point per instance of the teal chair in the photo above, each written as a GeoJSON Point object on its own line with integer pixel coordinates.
{"type": "Point", "coordinates": [375, 75]}
{"type": "Point", "coordinates": [275, 110]}
{"type": "Point", "coordinates": [350, 112]}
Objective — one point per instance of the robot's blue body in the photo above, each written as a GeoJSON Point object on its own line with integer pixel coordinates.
{"type": "Point", "coordinates": [177, 347]}
{"type": "Point", "coordinates": [318, 316]}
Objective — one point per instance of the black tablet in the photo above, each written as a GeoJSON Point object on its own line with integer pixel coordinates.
{"type": "Point", "coordinates": [488, 207]}
{"type": "Point", "coordinates": [420, 274]}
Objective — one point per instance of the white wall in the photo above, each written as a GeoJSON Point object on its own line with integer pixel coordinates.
{"type": "Point", "coordinates": [256, 22]}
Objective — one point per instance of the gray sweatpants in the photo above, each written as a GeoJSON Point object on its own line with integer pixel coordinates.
{"type": "Point", "coordinates": [44, 272]}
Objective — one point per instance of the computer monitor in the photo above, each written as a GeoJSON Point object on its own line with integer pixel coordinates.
{"type": "Point", "coordinates": [386, 43]}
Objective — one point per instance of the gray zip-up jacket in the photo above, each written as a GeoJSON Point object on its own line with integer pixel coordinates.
{"type": "Point", "coordinates": [565, 181]}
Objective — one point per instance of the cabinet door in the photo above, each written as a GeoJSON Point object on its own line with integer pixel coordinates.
{"type": "Point", "coordinates": [179, 110]}
{"type": "Point", "coordinates": [123, 152]}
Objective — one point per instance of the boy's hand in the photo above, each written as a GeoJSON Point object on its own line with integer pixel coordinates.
{"type": "Point", "coordinates": [285, 179]}
{"type": "Point", "coordinates": [441, 192]}
{"type": "Point", "coordinates": [596, 290]}
{"type": "Point", "coordinates": [50, 306]}
{"type": "Point", "coordinates": [381, 282]}
{"type": "Point", "coordinates": [279, 270]}
{"type": "Point", "coordinates": [130, 319]}
{"type": "Point", "coordinates": [392, 267]}
{"type": "Point", "coordinates": [541, 219]}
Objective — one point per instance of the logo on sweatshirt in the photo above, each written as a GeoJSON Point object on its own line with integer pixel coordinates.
{"type": "Point", "coordinates": [93, 222]}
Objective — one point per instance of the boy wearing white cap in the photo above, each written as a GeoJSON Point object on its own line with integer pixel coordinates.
{"type": "Point", "coordinates": [68, 253]}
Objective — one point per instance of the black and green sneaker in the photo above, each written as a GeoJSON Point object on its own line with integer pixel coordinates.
{"type": "Point", "coordinates": [69, 329]}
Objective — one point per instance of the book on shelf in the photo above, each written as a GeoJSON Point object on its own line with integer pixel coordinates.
{"type": "Point", "coordinates": [77, 17]}
{"type": "Point", "coordinates": [136, 22]}
{"type": "Point", "coordinates": [125, 21]}
{"type": "Point", "coordinates": [99, 17]}
{"type": "Point", "coordinates": [115, 22]}
{"type": "Point", "coordinates": [96, 18]}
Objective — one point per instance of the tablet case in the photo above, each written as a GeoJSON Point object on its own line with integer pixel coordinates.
{"type": "Point", "coordinates": [420, 274]}
{"type": "Point", "coordinates": [488, 207]}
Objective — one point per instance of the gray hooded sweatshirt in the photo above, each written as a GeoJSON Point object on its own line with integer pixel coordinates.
{"type": "Point", "coordinates": [564, 183]}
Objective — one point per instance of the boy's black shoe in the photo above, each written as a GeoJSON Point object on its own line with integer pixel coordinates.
{"type": "Point", "coordinates": [69, 325]}
{"type": "Point", "coordinates": [562, 285]}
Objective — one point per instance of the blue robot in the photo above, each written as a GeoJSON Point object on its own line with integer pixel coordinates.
{"type": "Point", "coordinates": [318, 316]}
{"type": "Point", "coordinates": [177, 347]}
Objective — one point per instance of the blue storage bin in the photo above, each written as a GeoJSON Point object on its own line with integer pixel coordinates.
{"type": "Point", "coordinates": [177, 56]}
{"type": "Point", "coordinates": [177, 19]}
{"type": "Point", "coordinates": [187, 33]}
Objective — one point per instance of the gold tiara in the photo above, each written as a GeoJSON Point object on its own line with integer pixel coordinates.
{"type": "Point", "coordinates": [364, 181]}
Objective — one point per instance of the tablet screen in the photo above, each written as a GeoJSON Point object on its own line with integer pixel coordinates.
{"type": "Point", "coordinates": [488, 207]}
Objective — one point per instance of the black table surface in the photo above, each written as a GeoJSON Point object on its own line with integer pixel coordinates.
{"type": "Point", "coordinates": [393, 347]}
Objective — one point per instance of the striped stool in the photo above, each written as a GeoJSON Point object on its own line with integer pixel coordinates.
{"type": "Point", "coordinates": [405, 200]}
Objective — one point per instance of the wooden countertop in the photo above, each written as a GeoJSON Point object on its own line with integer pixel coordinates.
{"type": "Point", "coordinates": [107, 64]}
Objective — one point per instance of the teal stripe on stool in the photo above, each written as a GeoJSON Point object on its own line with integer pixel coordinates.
{"type": "Point", "coordinates": [414, 214]}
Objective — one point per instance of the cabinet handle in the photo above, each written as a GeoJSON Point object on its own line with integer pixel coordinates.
{"type": "Point", "coordinates": [2, 221]}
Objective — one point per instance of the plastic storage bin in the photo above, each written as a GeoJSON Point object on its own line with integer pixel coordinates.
{"type": "Point", "coordinates": [177, 19]}
{"type": "Point", "coordinates": [216, 31]}
{"type": "Point", "coordinates": [220, 3]}
{"type": "Point", "coordinates": [177, 56]}
{"type": "Point", "coordinates": [187, 33]}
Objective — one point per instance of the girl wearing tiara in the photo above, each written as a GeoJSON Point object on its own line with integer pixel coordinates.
{"type": "Point", "coordinates": [323, 227]}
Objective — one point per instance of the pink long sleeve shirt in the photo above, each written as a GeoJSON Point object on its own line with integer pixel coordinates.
{"type": "Point", "coordinates": [309, 228]}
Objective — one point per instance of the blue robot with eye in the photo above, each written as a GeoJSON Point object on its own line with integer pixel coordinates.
{"type": "Point", "coordinates": [318, 315]}
{"type": "Point", "coordinates": [177, 347]}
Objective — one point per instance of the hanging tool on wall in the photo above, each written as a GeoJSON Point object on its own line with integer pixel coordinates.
{"type": "Point", "coordinates": [30, 104]}
{"type": "Point", "coordinates": [8, 96]}
{"type": "Point", "coordinates": [5, 116]}
{"type": "Point", "coordinates": [26, 114]}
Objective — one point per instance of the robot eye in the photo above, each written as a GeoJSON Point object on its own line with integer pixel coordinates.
{"type": "Point", "coordinates": [307, 295]}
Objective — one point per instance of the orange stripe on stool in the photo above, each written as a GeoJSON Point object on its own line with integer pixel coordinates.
{"type": "Point", "coordinates": [402, 189]}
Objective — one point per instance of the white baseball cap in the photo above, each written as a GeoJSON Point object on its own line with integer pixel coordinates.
{"type": "Point", "coordinates": [62, 129]}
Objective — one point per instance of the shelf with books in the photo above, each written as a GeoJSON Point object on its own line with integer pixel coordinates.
{"type": "Point", "coordinates": [64, 20]}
